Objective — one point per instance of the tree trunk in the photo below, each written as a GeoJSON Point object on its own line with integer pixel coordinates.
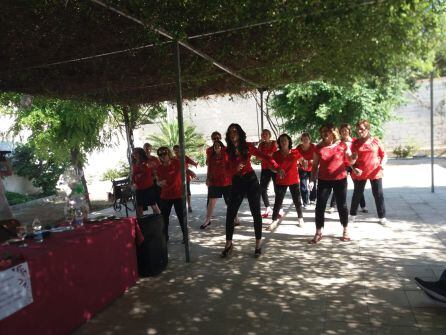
{"type": "Point", "coordinates": [129, 134]}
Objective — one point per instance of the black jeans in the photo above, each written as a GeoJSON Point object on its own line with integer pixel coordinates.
{"type": "Point", "coordinates": [280, 194]}
{"type": "Point", "coordinates": [323, 193]}
{"type": "Point", "coordinates": [166, 208]}
{"type": "Point", "coordinates": [378, 194]}
{"type": "Point", "coordinates": [304, 176]}
{"type": "Point", "coordinates": [248, 185]}
{"type": "Point", "coordinates": [265, 177]}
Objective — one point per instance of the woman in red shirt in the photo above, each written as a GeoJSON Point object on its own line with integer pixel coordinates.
{"type": "Point", "coordinates": [218, 179]}
{"type": "Point", "coordinates": [188, 161]}
{"type": "Point", "coordinates": [368, 158]}
{"type": "Point", "coordinates": [345, 131]}
{"type": "Point", "coordinates": [244, 182]}
{"type": "Point", "coordinates": [329, 165]}
{"type": "Point", "coordinates": [142, 179]}
{"type": "Point", "coordinates": [306, 149]}
{"type": "Point", "coordinates": [268, 147]}
{"type": "Point", "coordinates": [169, 179]}
{"type": "Point", "coordinates": [154, 162]}
{"type": "Point", "coordinates": [288, 161]}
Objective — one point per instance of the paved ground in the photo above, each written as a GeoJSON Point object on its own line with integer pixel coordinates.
{"type": "Point", "coordinates": [365, 286]}
{"type": "Point", "coordinates": [362, 287]}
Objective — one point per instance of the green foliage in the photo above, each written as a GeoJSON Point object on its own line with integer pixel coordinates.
{"type": "Point", "coordinates": [44, 173]}
{"type": "Point", "coordinates": [405, 151]}
{"type": "Point", "coordinates": [17, 198]}
{"type": "Point", "coordinates": [138, 115]}
{"type": "Point", "coordinates": [122, 172]}
{"type": "Point", "coordinates": [63, 130]}
{"type": "Point", "coordinates": [194, 142]}
{"type": "Point", "coordinates": [306, 107]}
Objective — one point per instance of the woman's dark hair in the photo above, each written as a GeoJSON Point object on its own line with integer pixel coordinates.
{"type": "Point", "coordinates": [142, 154]}
{"type": "Point", "coordinates": [242, 147]}
{"type": "Point", "coordinates": [346, 125]}
{"type": "Point", "coordinates": [290, 142]}
{"type": "Point", "coordinates": [213, 146]}
{"type": "Point", "coordinates": [166, 149]}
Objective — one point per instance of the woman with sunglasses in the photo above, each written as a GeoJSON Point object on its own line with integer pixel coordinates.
{"type": "Point", "coordinates": [288, 160]}
{"type": "Point", "coordinates": [268, 147]}
{"type": "Point", "coordinates": [142, 178]}
{"type": "Point", "coordinates": [217, 180]}
{"type": "Point", "coordinates": [368, 159]}
{"type": "Point", "coordinates": [329, 166]}
{"type": "Point", "coordinates": [244, 182]}
{"type": "Point", "coordinates": [169, 179]}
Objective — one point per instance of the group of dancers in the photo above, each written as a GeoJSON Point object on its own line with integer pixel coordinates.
{"type": "Point", "coordinates": [310, 171]}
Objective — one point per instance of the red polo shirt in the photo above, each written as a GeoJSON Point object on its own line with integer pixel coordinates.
{"type": "Point", "coordinates": [289, 164]}
{"type": "Point", "coordinates": [252, 151]}
{"type": "Point", "coordinates": [267, 149]}
{"type": "Point", "coordinates": [331, 161]}
{"type": "Point", "coordinates": [172, 175]}
{"type": "Point", "coordinates": [218, 170]}
{"type": "Point", "coordinates": [307, 155]}
{"type": "Point", "coordinates": [142, 176]}
{"type": "Point", "coordinates": [370, 155]}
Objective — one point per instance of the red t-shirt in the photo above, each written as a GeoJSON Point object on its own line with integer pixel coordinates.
{"type": "Point", "coordinates": [252, 150]}
{"type": "Point", "coordinates": [370, 155]}
{"type": "Point", "coordinates": [188, 161]}
{"type": "Point", "coordinates": [267, 149]}
{"type": "Point", "coordinates": [153, 163]}
{"type": "Point", "coordinates": [218, 170]}
{"type": "Point", "coordinates": [331, 161]}
{"type": "Point", "coordinates": [288, 163]}
{"type": "Point", "coordinates": [142, 176]}
{"type": "Point", "coordinates": [307, 155]}
{"type": "Point", "coordinates": [172, 175]}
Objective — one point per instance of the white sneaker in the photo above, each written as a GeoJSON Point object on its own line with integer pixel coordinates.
{"type": "Point", "coordinates": [352, 218]}
{"type": "Point", "coordinates": [300, 222]}
{"type": "Point", "coordinates": [330, 210]}
{"type": "Point", "coordinates": [382, 221]}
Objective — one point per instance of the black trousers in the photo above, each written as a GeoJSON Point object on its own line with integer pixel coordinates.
{"type": "Point", "coordinates": [266, 175]}
{"type": "Point", "coordinates": [323, 193]}
{"type": "Point", "coordinates": [166, 208]}
{"type": "Point", "coordinates": [280, 194]}
{"type": "Point", "coordinates": [248, 185]}
{"type": "Point", "coordinates": [378, 194]}
{"type": "Point", "coordinates": [361, 201]}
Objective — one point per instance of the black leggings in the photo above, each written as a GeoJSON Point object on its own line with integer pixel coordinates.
{"type": "Point", "coordinates": [378, 194]}
{"type": "Point", "coordinates": [280, 194]}
{"type": "Point", "coordinates": [361, 201]}
{"type": "Point", "coordinates": [265, 177]}
{"type": "Point", "coordinates": [166, 208]}
{"type": "Point", "coordinates": [248, 185]}
{"type": "Point", "coordinates": [323, 193]}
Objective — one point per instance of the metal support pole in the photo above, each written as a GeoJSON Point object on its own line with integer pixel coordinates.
{"type": "Point", "coordinates": [182, 153]}
{"type": "Point", "coordinates": [261, 109]}
{"type": "Point", "coordinates": [432, 130]}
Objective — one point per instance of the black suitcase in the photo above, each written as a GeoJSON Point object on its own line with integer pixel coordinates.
{"type": "Point", "coordinates": [152, 253]}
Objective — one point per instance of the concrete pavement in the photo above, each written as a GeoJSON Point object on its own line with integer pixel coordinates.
{"type": "Point", "coordinates": [361, 287]}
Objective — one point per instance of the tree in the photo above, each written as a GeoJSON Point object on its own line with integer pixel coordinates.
{"type": "Point", "coordinates": [128, 118]}
{"type": "Point", "coordinates": [60, 130]}
{"type": "Point", "coordinates": [306, 107]}
{"type": "Point", "coordinates": [43, 173]}
{"type": "Point", "coordinates": [170, 136]}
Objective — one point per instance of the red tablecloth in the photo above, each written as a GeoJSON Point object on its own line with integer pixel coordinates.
{"type": "Point", "coordinates": [74, 274]}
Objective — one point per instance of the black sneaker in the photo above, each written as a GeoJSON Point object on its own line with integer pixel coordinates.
{"type": "Point", "coordinates": [434, 289]}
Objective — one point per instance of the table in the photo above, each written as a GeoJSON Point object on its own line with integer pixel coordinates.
{"type": "Point", "coordinates": [74, 275]}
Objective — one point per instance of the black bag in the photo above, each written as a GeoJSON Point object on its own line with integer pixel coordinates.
{"type": "Point", "coordinates": [152, 253]}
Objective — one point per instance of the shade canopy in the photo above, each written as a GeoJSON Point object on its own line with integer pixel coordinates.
{"type": "Point", "coordinates": [82, 49]}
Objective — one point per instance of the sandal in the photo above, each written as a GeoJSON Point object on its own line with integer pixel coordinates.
{"type": "Point", "coordinates": [204, 225]}
{"type": "Point", "coordinates": [316, 239]}
{"type": "Point", "coordinates": [345, 238]}
{"type": "Point", "coordinates": [227, 251]}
